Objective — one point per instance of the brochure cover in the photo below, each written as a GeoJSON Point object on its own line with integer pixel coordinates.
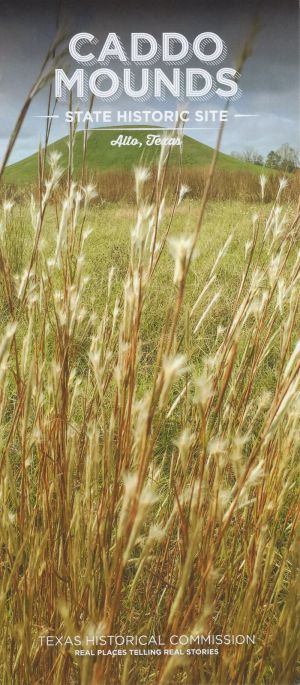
{"type": "Point", "coordinates": [149, 343]}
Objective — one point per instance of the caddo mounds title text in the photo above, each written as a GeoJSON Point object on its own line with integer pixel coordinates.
{"type": "Point", "coordinates": [136, 74]}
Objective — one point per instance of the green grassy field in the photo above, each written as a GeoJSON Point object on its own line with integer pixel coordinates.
{"type": "Point", "coordinates": [109, 244]}
{"type": "Point", "coordinates": [101, 156]}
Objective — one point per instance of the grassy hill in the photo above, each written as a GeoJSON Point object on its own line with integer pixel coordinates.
{"type": "Point", "coordinates": [102, 156]}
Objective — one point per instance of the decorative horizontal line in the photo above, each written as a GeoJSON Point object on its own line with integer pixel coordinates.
{"type": "Point", "coordinates": [152, 128]}
{"type": "Point", "coordinates": [46, 116]}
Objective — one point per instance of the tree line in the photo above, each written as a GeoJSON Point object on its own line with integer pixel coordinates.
{"type": "Point", "coordinates": [285, 158]}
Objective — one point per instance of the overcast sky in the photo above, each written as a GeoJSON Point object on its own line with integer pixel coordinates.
{"type": "Point", "coordinates": [270, 81]}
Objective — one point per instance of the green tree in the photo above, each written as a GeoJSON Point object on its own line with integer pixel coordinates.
{"type": "Point", "coordinates": [284, 158]}
{"type": "Point", "coordinates": [289, 159]}
{"type": "Point", "coordinates": [273, 160]}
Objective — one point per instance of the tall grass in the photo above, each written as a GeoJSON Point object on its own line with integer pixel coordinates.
{"type": "Point", "coordinates": [118, 186]}
{"type": "Point", "coordinates": [159, 502]}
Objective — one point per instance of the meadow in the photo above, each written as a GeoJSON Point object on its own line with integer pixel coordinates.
{"type": "Point", "coordinates": [149, 403]}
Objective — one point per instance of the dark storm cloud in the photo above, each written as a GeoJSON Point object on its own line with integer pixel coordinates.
{"type": "Point", "coordinates": [269, 80]}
